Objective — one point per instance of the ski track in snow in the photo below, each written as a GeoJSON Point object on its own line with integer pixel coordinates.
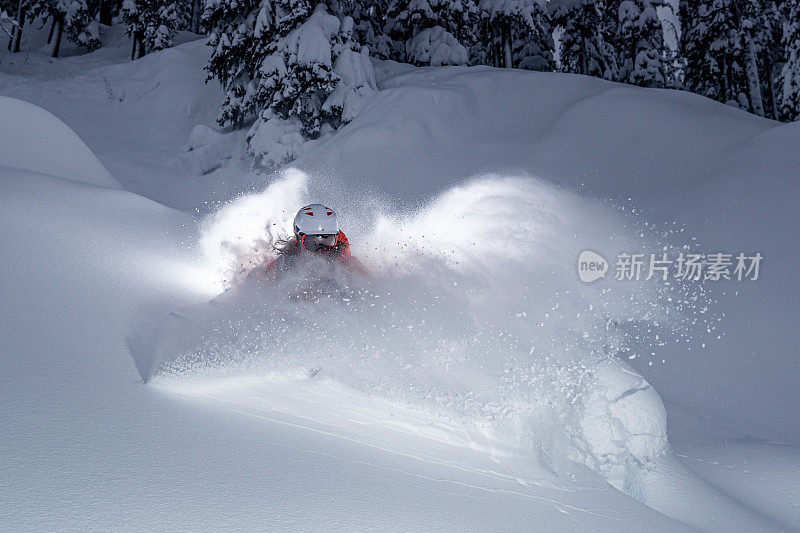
{"type": "Point", "coordinates": [265, 410]}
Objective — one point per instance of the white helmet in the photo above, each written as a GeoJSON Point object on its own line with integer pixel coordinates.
{"type": "Point", "coordinates": [316, 219]}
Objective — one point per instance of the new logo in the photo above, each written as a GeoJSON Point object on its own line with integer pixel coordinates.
{"type": "Point", "coordinates": [591, 266]}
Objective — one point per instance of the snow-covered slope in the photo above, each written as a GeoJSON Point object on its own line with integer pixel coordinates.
{"type": "Point", "coordinates": [702, 174]}
{"type": "Point", "coordinates": [471, 384]}
{"type": "Point", "coordinates": [136, 117]}
{"type": "Point", "coordinates": [88, 447]}
{"type": "Point", "coordinates": [33, 139]}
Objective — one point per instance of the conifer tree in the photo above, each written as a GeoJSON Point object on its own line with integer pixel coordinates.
{"type": "Point", "coordinates": [642, 56]}
{"type": "Point", "coordinates": [789, 86]}
{"type": "Point", "coordinates": [240, 34]}
{"type": "Point", "coordinates": [152, 24]}
{"type": "Point", "coordinates": [298, 74]}
{"type": "Point", "coordinates": [724, 44]}
{"type": "Point", "coordinates": [585, 48]}
{"type": "Point", "coordinates": [369, 19]}
{"type": "Point", "coordinates": [297, 77]}
{"type": "Point", "coordinates": [422, 31]}
{"type": "Point", "coordinates": [70, 17]}
{"type": "Point", "coordinates": [517, 34]}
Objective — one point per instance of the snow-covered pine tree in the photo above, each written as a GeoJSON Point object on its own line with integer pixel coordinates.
{"type": "Point", "coordinates": [431, 32]}
{"type": "Point", "coordinates": [789, 80]}
{"type": "Point", "coordinates": [585, 48]}
{"type": "Point", "coordinates": [152, 24]}
{"type": "Point", "coordinates": [241, 33]}
{"type": "Point", "coordinates": [517, 34]}
{"type": "Point", "coordinates": [642, 56]}
{"type": "Point", "coordinates": [297, 77]}
{"type": "Point", "coordinates": [702, 68]}
{"type": "Point", "coordinates": [7, 25]}
{"type": "Point", "coordinates": [70, 17]}
{"type": "Point", "coordinates": [356, 78]}
{"type": "Point", "coordinates": [772, 54]}
{"type": "Point", "coordinates": [12, 20]}
{"type": "Point", "coordinates": [436, 47]}
{"type": "Point", "coordinates": [369, 19]}
{"type": "Point", "coordinates": [312, 81]}
{"type": "Point", "coordinates": [723, 44]}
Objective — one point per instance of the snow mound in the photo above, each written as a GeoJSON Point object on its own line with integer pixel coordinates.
{"type": "Point", "coordinates": [356, 83]}
{"type": "Point", "coordinates": [624, 420]}
{"type": "Point", "coordinates": [33, 139]}
{"type": "Point", "coordinates": [276, 141]}
{"type": "Point", "coordinates": [209, 149]}
{"type": "Point", "coordinates": [436, 47]}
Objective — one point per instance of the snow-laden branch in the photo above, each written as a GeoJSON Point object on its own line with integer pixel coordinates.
{"type": "Point", "coordinates": [5, 19]}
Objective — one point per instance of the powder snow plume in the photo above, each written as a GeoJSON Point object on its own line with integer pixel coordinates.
{"type": "Point", "coordinates": [474, 314]}
{"type": "Point", "coordinates": [241, 235]}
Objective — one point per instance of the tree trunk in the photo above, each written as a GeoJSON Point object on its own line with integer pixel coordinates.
{"type": "Point", "coordinates": [506, 33]}
{"type": "Point", "coordinates": [106, 12]}
{"type": "Point", "coordinates": [773, 100]}
{"type": "Point", "coordinates": [16, 29]}
{"type": "Point", "coordinates": [488, 32]}
{"type": "Point", "coordinates": [725, 90]}
{"type": "Point", "coordinates": [52, 28]}
{"type": "Point", "coordinates": [584, 62]}
{"type": "Point", "coordinates": [753, 83]}
{"type": "Point", "coordinates": [497, 47]}
{"type": "Point", "coordinates": [58, 23]}
{"type": "Point", "coordinates": [137, 48]}
{"type": "Point", "coordinates": [21, 9]}
{"type": "Point", "coordinates": [770, 107]}
{"type": "Point", "coordinates": [197, 8]}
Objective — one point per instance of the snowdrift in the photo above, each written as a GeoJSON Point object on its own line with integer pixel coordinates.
{"type": "Point", "coordinates": [135, 116]}
{"type": "Point", "coordinates": [33, 139]}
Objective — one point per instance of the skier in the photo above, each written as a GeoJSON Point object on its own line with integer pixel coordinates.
{"type": "Point", "coordinates": [316, 234]}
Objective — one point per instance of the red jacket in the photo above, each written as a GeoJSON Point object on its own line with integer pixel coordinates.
{"type": "Point", "coordinates": [340, 253]}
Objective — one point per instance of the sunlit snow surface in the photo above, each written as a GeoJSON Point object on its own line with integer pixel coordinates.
{"type": "Point", "coordinates": [473, 319]}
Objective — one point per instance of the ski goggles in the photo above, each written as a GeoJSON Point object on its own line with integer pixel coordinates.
{"type": "Point", "coordinates": [316, 242]}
